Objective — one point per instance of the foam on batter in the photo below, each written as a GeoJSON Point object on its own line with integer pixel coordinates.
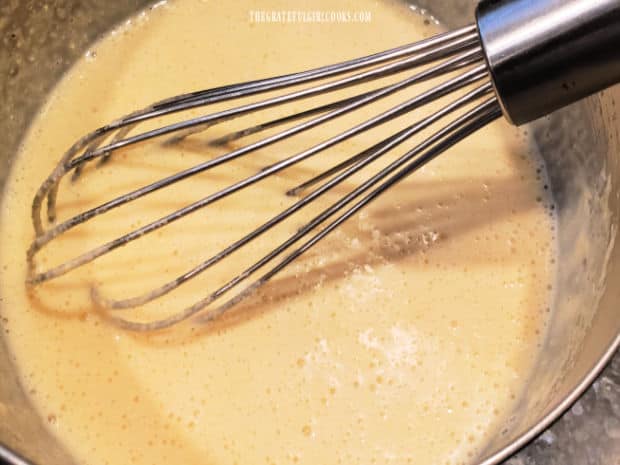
{"type": "Point", "coordinates": [406, 337]}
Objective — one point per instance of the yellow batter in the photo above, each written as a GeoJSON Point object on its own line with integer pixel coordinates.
{"type": "Point", "coordinates": [404, 338]}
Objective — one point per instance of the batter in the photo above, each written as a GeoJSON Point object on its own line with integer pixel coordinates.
{"type": "Point", "coordinates": [404, 338]}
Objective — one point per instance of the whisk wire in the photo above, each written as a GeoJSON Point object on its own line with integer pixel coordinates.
{"type": "Point", "coordinates": [454, 40]}
{"type": "Point", "coordinates": [465, 79]}
{"type": "Point", "coordinates": [426, 60]}
{"type": "Point", "coordinates": [372, 154]}
{"type": "Point", "coordinates": [460, 39]}
{"type": "Point", "coordinates": [445, 138]}
{"type": "Point", "coordinates": [225, 115]}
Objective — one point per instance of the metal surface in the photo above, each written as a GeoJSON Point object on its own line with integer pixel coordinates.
{"type": "Point", "coordinates": [587, 434]}
{"type": "Point", "coordinates": [531, 53]}
{"type": "Point", "coordinates": [581, 147]}
{"type": "Point", "coordinates": [546, 54]}
{"type": "Point", "coordinates": [452, 51]}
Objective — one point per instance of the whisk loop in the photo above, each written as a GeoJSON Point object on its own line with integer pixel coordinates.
{"type": "Point", "coordinates": [456, 53]}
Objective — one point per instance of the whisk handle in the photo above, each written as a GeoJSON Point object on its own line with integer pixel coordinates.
{"type": "Point", "coordinates": [546, 54]}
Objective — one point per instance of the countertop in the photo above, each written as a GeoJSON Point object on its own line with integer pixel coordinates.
{"type": "Point", "coordinates": [588, 433]}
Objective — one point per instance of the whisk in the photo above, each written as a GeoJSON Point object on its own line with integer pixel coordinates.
{"type": "Point", "coordinates": [521, 59]}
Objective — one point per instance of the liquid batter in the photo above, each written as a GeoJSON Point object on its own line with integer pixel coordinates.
{"type": "Point", "coordinates": [406, 337]}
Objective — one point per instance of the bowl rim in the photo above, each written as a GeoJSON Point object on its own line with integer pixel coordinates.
{"type": "Point", "coordinates": [558, 410]}
{"type": "Point", "coordinates": [13, 458]}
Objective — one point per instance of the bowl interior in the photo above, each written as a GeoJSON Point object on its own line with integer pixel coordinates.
{"type": "Point", "coordinates": [580, 146]}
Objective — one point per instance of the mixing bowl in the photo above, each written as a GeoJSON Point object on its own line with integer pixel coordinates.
{"type": "Point", "coordinates": [580, 145]}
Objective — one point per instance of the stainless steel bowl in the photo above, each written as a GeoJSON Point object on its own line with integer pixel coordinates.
{"type": "Point", "coordinates": [581, 146]}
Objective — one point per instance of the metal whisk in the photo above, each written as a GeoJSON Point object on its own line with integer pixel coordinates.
{"type": "Point", "coordinates": [528, 59]}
